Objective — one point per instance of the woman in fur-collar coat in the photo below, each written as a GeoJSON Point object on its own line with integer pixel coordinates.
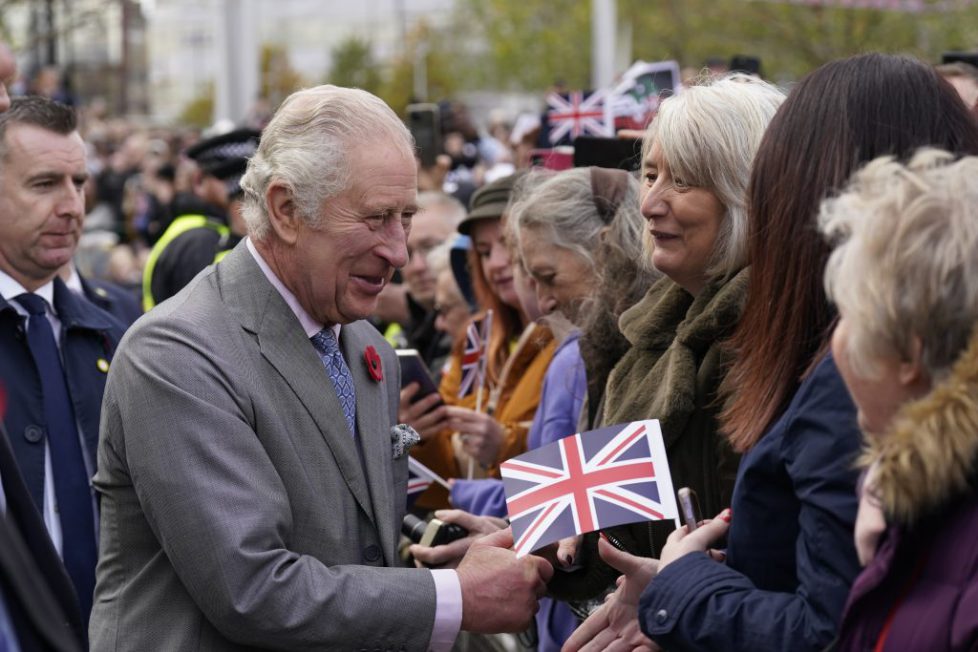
{"type": "Point", "coordinates": [906, 283]}
{"type": "Point", "coordinates": [696, 164]}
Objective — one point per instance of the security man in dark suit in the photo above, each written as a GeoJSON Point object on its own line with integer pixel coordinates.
{"type": "Point", "coordinates": [55, 346]}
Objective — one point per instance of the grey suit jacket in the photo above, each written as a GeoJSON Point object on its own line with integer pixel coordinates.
{"type": "Point", "coordinates": [237, 510]}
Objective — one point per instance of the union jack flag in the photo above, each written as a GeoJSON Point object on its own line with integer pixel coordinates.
{"type": "Point", "coordinates": [575, 114]}
{"type": "Point", "coordinates": [416, 486]}
{"type": "Point", "coordinates": [587, 482]}
{"type": "Point", "coordinates": [474, 355]}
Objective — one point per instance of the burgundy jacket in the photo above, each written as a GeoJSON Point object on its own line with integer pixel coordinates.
{"type": "Point", "coordinates": [920, 591]}
{"type": "Point", "coordinates": [924, 582]}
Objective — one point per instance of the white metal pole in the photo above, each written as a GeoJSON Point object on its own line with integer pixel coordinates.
{"type": "Point", "coordinates": [604, 20]}
{"type": "Point", "coordinates": [236, 83]}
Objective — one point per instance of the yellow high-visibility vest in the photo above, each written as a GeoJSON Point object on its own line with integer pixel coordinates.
{"type": "Point", "coordinates": [177, 228]}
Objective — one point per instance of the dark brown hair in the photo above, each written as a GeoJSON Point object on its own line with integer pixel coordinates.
{"type": "Point", "coordinates": [38, 112]}
{"type": "Point", "coordinates": [840, 116]}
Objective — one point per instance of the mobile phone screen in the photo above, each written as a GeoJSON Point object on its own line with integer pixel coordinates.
{"type": "Point", "coordinates": [414, 370]}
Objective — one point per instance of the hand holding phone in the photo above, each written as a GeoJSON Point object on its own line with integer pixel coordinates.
{"type": "Point", "coordinates": [414, 370]}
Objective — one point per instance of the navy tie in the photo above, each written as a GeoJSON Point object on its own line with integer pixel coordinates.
{"type": "Point", "coordinates": [329, 352]}
{"type": "Point", "coordinates": [71, 488]}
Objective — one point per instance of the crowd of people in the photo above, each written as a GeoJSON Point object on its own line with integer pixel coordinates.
{"type": "Point", "coordinates": [205, 439]}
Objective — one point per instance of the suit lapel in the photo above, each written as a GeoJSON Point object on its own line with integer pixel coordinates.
{"type": "Point", "coordinates": [373, 429]}
{"type": "Point", "coordinates": [283, 343]}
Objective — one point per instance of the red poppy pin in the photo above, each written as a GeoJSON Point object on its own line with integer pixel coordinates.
{"type": "Point", "coordinates": [372, 358]}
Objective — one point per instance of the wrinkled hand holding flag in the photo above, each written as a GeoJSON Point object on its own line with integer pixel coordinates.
{"type": "Point", "coordinates": [587, 482]}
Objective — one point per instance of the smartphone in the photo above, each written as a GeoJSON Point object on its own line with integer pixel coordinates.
{"type": "Point", "coordinates": [621, 153]}
{"type": "Point", "coordinates": [970, 58]}
{"type": "Point", "coordinates": [689, 507]}
{"type": "Point", "coordinates": [424, 122]}
{"type": "Point", "coordinates": [414, 370]}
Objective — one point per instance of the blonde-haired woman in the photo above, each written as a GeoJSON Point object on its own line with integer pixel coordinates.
{"type": "Point", "coordinates": [905, 279]}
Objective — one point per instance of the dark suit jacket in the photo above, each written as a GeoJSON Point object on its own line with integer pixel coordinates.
{"type": "Point", "coordinates": [38, 593]}
{"type": "Point", "coordinates": [88, 340]}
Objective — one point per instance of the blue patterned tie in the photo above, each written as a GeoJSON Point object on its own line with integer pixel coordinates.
{"type": "Point", "coordinates": [329, 351]}
{"type": "Point", "coordinates": [78, 549]}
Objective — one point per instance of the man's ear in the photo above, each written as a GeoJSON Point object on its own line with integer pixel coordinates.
{"type": "Point", "coordinates": [283, 215]}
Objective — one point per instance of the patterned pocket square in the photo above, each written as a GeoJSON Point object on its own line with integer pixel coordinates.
{"type": "Point", "coordinates": [403, 437]}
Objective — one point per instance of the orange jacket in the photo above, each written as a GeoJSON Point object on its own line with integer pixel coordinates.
{"type": "Point", "coordinates": [512, 402]}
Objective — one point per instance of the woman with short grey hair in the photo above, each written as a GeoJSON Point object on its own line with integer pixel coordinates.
{"type": "Point", "coordinates": [696, 165]}
{"type": "Point", "coordinates": [729, 116]}
{"type": "Point", "coordinates": [905, 278]}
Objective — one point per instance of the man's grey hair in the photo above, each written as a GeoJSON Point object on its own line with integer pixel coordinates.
{"type": "Point", "coordinates": [905, 264]}
{"type": "Point", "coordinates": [708, 136]}
{"type": "Point", "coordinates": [308, 145]}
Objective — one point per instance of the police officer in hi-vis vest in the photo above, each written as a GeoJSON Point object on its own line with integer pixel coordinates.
{"type": "Point", "coordinates": [200, 237]}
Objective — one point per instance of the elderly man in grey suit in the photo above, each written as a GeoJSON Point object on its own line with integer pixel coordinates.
{"type": "Point", "coordinates": [250, 487]}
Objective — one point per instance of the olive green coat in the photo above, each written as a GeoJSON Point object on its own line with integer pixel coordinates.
{"type": "Point", "coordinates": [671, 373]}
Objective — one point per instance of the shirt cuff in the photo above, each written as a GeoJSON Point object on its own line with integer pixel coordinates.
{"type": "Point", "coordinates": [448, 610]}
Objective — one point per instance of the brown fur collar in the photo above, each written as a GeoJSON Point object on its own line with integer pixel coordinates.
{"type": "Point", "coordinates": [930, 454]}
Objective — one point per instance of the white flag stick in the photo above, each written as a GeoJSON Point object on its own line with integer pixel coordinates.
{"type": "Point", "coordinates": [483, 364]}
{"type": "Point", "coordinates": [425, 472]}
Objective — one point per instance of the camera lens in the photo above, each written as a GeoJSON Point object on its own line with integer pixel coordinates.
{"type": "Point", "coordinates": [413, 527]}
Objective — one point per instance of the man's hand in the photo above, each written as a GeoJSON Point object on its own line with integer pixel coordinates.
{"type": "Point", "coordinates": [614, 625]}
{"type": "Point", "coordinates": [682, 542]}
{"type": "Point", "coordinates": [482, 436]}
{"type": "Point", "coordinates": [427, 416]}
{"type": "Point", "coordinates": [450, 554]}
{"type": "Point", "coordinates": [499, 591]}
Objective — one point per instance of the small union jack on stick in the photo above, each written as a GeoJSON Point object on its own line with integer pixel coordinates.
{"type": "Point", "coordinates": [587, 482]}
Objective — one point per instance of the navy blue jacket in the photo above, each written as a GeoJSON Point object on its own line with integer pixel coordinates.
{"type": "Point", "coordinates": [790, 556]}
{"type": "Point", "coordinates": [89, 337]}
{"type": "Point", "coordinates": [113, 299]}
